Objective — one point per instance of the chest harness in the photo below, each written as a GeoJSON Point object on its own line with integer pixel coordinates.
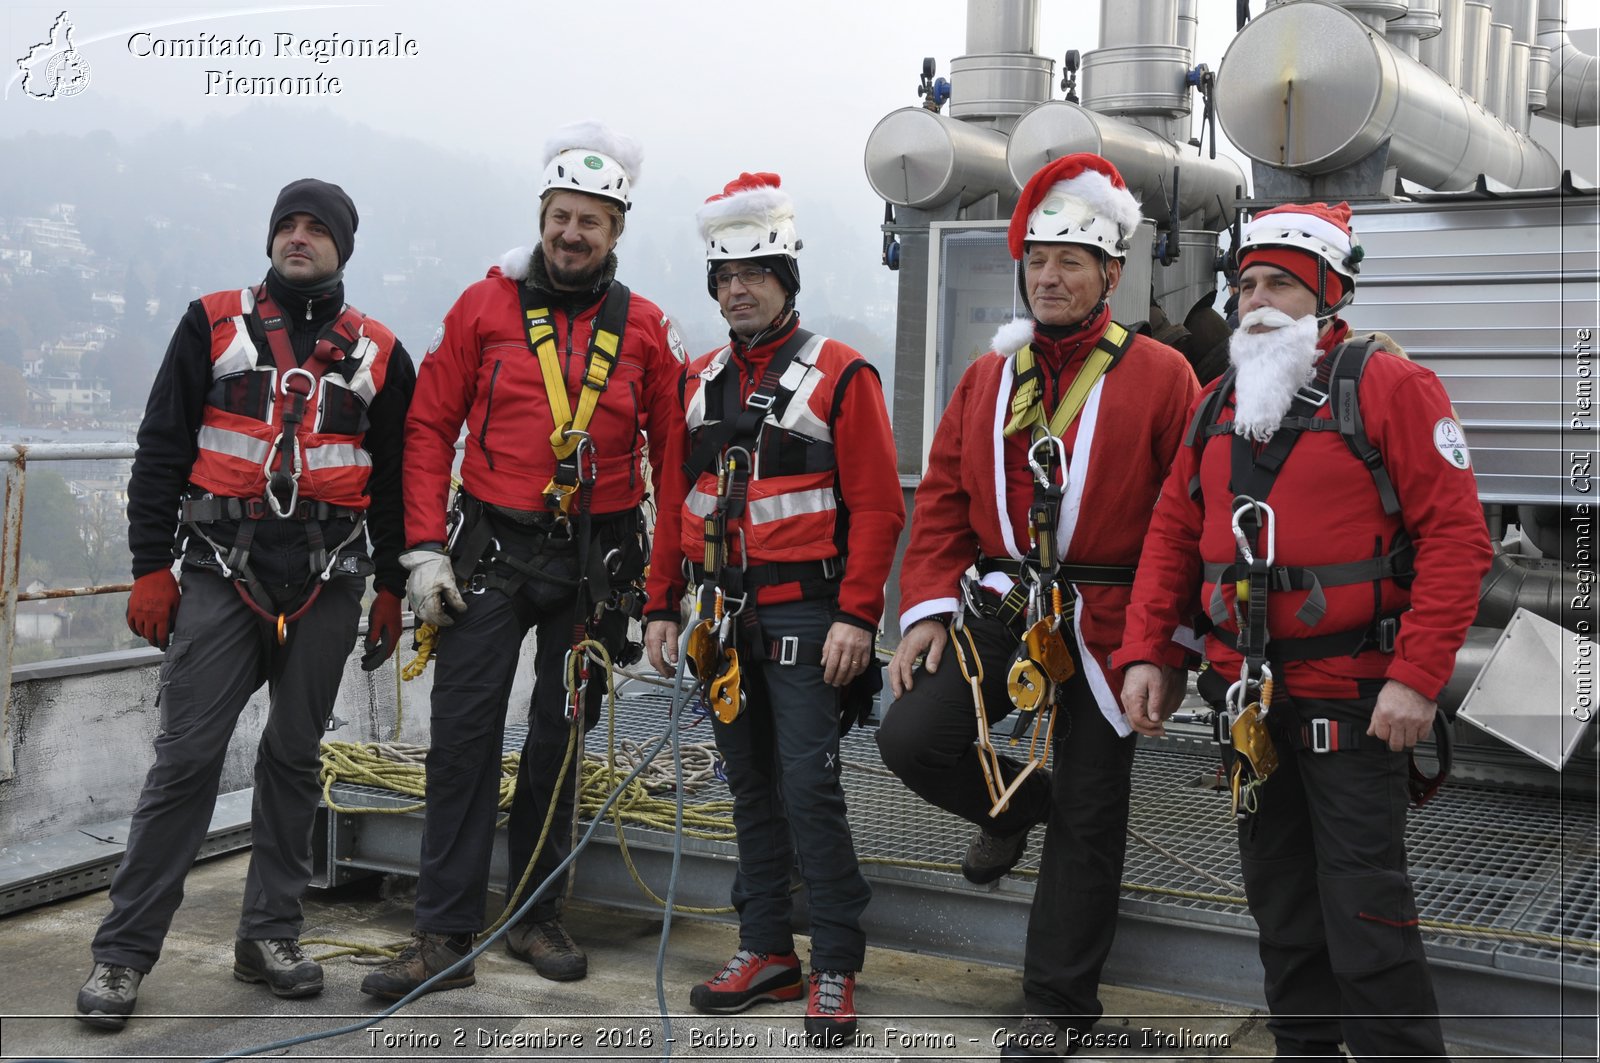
{"type": "Point", "coordinates": [482, 562]}
{"type": "Point", "coordinates": [1041, 603]}
{"type": "Point", "coordinates": [285, 460]}
{"type": "Point", "coordinates": [1255, 575]}
{"type": "Point", "coordinates": [726, 624]}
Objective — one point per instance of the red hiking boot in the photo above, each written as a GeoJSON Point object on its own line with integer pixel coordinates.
{"type": "Point", "coordinates": [749, 978]}
{"type": "Point", "coordinates": [831, 1009]}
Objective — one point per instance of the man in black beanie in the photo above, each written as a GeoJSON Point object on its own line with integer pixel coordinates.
{"type": "Point", "coordinates": [274, 426]}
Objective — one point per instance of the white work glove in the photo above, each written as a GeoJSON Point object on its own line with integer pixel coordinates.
{"type": "Point", "coordinates": [432, 587]}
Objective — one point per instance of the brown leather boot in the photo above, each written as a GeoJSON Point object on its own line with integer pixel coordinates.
{"type": "Point", "coordinates": [427, 955]}
{"type": "Point", "coordinates": [549, 948]}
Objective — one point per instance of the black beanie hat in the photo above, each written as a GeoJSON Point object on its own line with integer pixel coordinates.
{"type": "Point", "coordinates": [323, 201]}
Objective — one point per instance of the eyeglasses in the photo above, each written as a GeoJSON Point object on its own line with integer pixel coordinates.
{"type": "Point", "coordinates": [750, 277]}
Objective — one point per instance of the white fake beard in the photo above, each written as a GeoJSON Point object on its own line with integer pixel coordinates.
{"type": "Point", "coordinates": [1271, 366]}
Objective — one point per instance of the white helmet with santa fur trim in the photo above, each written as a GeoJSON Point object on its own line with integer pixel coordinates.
{"type": "Point", "coordinates": [1077, 199]}
{"type": "Point", "coordinates": [752, 218]}
{"type": "Point", "coordinates": [1307, 241]}
{"type": "Point", "coordinates": [588, 157]}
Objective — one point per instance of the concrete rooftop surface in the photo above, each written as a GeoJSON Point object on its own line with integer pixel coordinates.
{"type": "Point", "coordinates": [912, 1006]}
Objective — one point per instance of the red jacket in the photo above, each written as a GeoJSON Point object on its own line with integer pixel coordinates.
{"type": "Point", "coordinates": [1123, 442]}
{"type": "Point", "coordinates": [837, 403]}
{"type": "Point", "coordinates": [480, 371]}
{"type": "Point", "coordinates": [233, 446]}
{"type": "Point", "coordinates": [1328, 511]}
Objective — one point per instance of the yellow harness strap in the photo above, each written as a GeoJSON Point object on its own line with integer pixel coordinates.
{"type": "Point", "coordinates": [1026, 408]}
{"type": "Point", "coordinates": [569, 426]}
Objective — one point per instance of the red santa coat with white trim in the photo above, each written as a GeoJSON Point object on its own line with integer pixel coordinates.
{"type": "Point", "coordinates": [1123, 444]}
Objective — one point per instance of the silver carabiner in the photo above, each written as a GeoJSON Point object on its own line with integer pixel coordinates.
{"type": "Point", "coordinates": [1040, 474]}
{"type": "Point", "coordinates": [268, 472]}
{"type": "Point", "coordinates": [1266, 521]}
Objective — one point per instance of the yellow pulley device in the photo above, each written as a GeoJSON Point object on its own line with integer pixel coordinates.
{"type": "Point", "coordinates": [1255, 757]}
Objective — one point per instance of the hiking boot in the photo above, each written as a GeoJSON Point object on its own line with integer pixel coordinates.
{"type": "Point", "coordinates": [279, 962]}
{"type": "Point", "coordinates": [831, 1009]}
{"type": "Point", "coordinates": [749, 978]}
{"type": "Point", "coordinates": [990, 857]}
{"type": "Point", "coordinates": [427, 955]}
{"type": "Point", "coordinates": [106, 999]}
{"type": "Point", "coordinates": [549, 948]}
{"type": "Point", "coordinates": [1035, 1037]}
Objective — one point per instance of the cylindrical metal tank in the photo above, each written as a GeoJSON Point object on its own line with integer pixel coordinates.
{"type": "Point", "coordinates": [1376, 14]}
{"type": "Point", "coordinates": [1145, 160]}
{"type": "Point", "coordinates": [996, 85]}
{"type": "Point", "coordinates": [1441, 53]}
{"type": "Point", "coordinates": [1517, 114]}
{"type": "Point", "coordinates": [1498, 75]}
{"type": "Point", "coordinates": [1001, 76]}
{"type": "Point", "coordinates": [1420, 21]}
{"type": "Point", "coordinates": [1002, 26]}
{"type": "Point", "coordinates": [1538, 77]}
{"type": "Point", "coordinates": [1476, 18]}
{"type": "Point", "coordinates": [1176, 288]}
{"type": "Point", "coordinates": [1573, 88]}
{"type": "Point", "coordinates": [916, 158]}
{"type": "Point", "coordinates": [1139, 68]}
{"type": "Point", "coordinates": [1320, 110]}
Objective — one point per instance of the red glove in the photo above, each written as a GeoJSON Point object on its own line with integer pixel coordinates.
{"type": "Point", "coordinates": [153, 607]}
{"type": "Point", "coordinates": [383, 629]}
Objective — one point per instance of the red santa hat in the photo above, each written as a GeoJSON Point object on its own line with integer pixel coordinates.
{"type": "Point", "coordinates": [1312, 242]}
{"type": "Point", "coordinates": [1077, 199]}
{"type": "Point", "coordinates": [752, 217]}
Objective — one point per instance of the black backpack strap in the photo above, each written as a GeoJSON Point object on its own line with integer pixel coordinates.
{"type": "Point", "coordinates": [1350, 361]}
{"type": "Point", "coordinates": [1204, 424]}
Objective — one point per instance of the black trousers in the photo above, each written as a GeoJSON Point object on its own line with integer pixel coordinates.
{"type": "Point", "coordinates": [476, 661]}
{"type": "Point", "coordinates": [782, 761]}
{"type": "Point", "coordinates": [927, 739]}
{"type": "Point", "coordinates": [1324, 867]}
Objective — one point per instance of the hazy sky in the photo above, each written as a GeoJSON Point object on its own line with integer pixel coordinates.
{"type": "Point", "coordinates": [709, 88]}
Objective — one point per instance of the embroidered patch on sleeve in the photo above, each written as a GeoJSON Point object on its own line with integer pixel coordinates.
{"type": "Point", "coordinates": [1451, 443]}
{"type": "Point", "coordinates": [675, 340]}
{"type": "Point", "coordinates": [438, 339]}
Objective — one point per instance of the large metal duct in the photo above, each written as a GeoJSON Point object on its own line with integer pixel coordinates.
{"type": "Point", "coordinates": [916, 158]}
{"type": "Point", "coordinates": [1441, 53]}
{"type": "Point", "coordinates": [1420, 21]}
{"type": "Point", "coordinates": [1476, 18]}
{"type": "Point", "coordinates": [1318, 111]}
{"type": "Point", "coordinates": [1206, 189]}
{"type": "Point", "coordinates": [1573, 91]}
{"type": "Point", "coordinates": [1002, 75]}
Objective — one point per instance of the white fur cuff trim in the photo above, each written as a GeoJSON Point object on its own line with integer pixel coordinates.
{"type": "Point", "coordinates": [923, 610]}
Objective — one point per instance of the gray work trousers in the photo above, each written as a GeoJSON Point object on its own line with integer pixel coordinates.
{"type": "Point", "coordinates": [221, 653]}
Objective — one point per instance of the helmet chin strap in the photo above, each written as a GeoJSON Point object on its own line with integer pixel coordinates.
{"type": "Point", "coordinates": [1324, 311]}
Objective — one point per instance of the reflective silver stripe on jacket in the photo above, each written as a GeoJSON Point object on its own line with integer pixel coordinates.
{"type": "Point", "coordinates": [233, 444]}
{"type": "Point", "coordinates": [336, 455]}
{"type": "Point", "coordinates": [790, 504]}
